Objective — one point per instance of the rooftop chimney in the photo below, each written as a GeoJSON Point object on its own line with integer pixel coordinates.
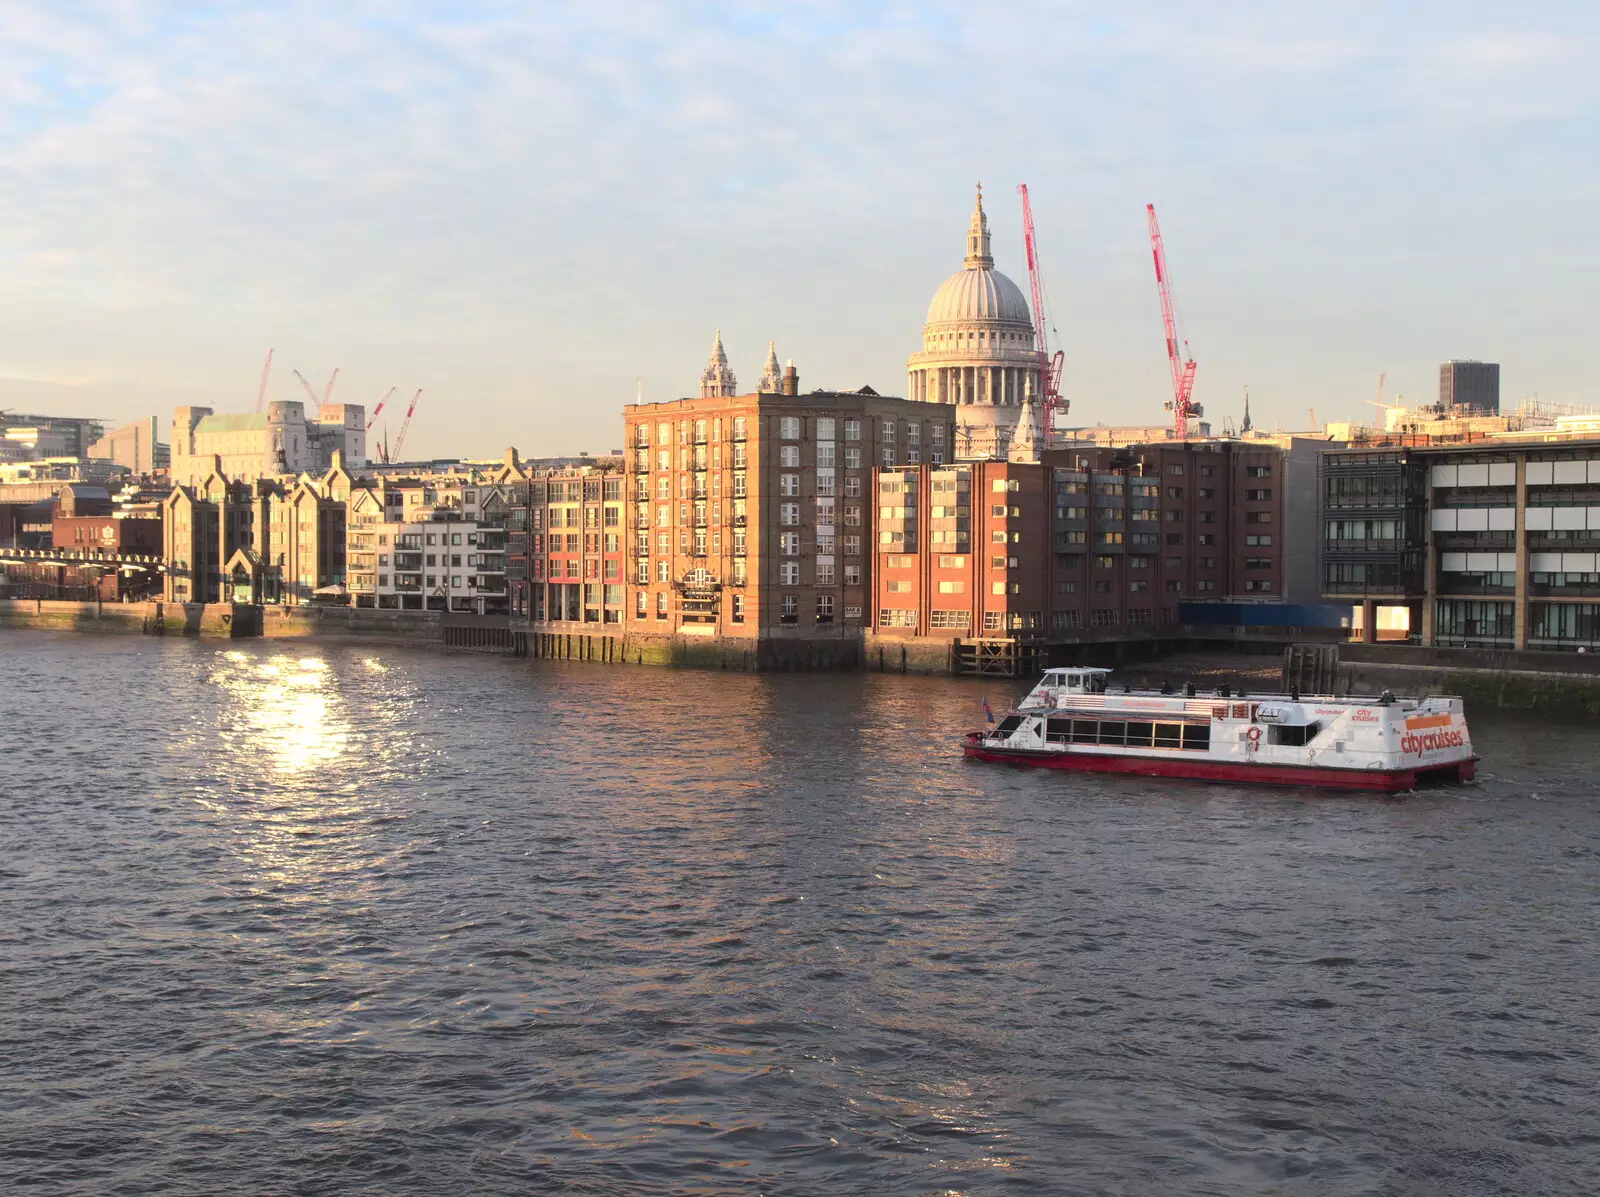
{"type": "Point", "coordinates": [791, 379]}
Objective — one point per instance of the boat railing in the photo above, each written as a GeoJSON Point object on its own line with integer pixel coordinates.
{"type": "Point", "coordinates": [1203, 702]}
{"type": "Point", "coordinates": [1151, 703]}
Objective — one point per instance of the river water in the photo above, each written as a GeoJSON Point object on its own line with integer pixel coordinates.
{"type": "Point", "coordinates": [299, 919]}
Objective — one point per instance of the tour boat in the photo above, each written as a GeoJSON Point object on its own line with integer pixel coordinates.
{"type": "Point", "coordinates": [1071, 721]}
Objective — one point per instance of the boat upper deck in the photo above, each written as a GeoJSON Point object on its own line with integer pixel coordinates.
{"type": "Point", "coordinates": [1085, 690]}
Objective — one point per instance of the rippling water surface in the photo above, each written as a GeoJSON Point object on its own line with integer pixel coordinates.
{"type": "Point", "coordinates": [296, 919]}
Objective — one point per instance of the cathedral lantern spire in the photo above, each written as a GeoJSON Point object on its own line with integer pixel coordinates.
{"type": "Point", "coordinates": [772, 375]}
{"type": "Point", "coordinates": [717, 380]}
{"type": "Point", "coordinates": [978, 255]}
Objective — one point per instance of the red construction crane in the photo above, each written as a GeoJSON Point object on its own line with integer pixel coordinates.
{"type": "Point", "coordinates": [261, 391]}
{"type": "Point", "coordinates": [405, 424]}
{"type": "Point", "coordinates": [377, 411]}
{"type": "Point", "coordinates": [327, 391]}
{"type": "Point", "coordinates": [1181, 405]}
{"type": "Point", "coordinates": [310, 394]}
{"type": "Point", "coordinates": [1049, 365]}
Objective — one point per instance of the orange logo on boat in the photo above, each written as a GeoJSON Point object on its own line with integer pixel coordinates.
{"type": "Point", "coordinates": [1418, 722]}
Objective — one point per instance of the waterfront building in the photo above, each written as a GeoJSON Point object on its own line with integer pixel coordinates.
{"type": "Point", "coordinates": [306, 539]}
{"type": "Point", "coordinates": [1003, 559]}
{"type": "Point", "coordinates": [431, 543]}
{"type": "Point", "coordinates": [265, 540]}
{"type": "Point", "coordinates": [267, 444]}
{"type": "Point", "coordinates": [978, 354]}
{"type": "Point", "coordinates": [564, 548]}
{"type": "Point", "coordinates": [751, 516]}
{"type": "Point", "coordinates": [441, 563]}
{"type": "Point", "coordinates": [1486, 544]}
{"type": "Point", "coordinates": [204, 528]}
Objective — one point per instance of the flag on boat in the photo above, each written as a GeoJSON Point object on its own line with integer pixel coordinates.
{"type": "Point", "coordinates": [987, 713]}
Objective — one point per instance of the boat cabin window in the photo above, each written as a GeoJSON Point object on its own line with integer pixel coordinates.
{"type": "Point", "coordinates": [1293, 735]}
{"type": "Point", "coordinates": [1008, 725]}
{"type": "Point", "coordinates": [1077, 683]}
{"type": "Point", "coordinates": [1130, 734]}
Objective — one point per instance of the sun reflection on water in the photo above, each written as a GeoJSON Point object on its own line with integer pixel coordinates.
{"type": "Point", "coordinates": [290, 709]}
{"type": "Point", "coordinates": [298, 766]}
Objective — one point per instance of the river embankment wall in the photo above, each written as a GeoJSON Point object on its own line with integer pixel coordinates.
{"type": "Point", "coordinates": [223, 621]}
{"type": "Point", "coordinates": [1551, 683]}
{"type": "Point", "coordinates": [488, 634]}
{"type": "Point", "coordinates": [1548, 693]}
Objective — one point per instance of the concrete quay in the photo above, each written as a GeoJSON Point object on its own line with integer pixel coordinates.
{"type": "Point", "coordinates": [1562, 684]}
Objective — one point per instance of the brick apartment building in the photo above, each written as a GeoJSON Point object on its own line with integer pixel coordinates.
{"type": "Point", "coordinates": [1091, 543]}
{"type": "Point", "coordinates": [564, 550]}
{"type": "Point", "coordinates": [753, 516]}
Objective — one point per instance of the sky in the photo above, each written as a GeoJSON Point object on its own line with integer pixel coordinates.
{"type": "Point", "coordinates": [535, 212]}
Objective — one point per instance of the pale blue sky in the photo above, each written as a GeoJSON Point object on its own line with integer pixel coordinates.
{"type": "Point", "coordinates": [522, 208]}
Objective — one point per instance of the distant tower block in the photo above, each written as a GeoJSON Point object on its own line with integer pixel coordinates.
{"type": "Point", "coordinates": [717, 380]}
{"type": "Point", "coordinates": [772, 376]}
{"type": "Point", "coordinates": [1471, 385]}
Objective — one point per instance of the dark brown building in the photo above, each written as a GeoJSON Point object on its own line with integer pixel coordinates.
{"type": "Point", "coordinates": [1092, 543]}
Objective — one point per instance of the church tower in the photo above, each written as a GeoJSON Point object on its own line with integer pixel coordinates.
{"type": "Point", "coordinates": [772, 376]}
{"type": "Point", "coordinates": [717, 380]}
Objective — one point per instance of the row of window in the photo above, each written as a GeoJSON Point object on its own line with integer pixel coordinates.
{"type": "Point", "coordinates": [687, 429]}
{"type": "Point", "coordinates": [473, 560]}
{"type": "Point", "coordinates": [1127, 733]}
{"type": "Point", "coordinates": [590, 569]}
{"type": "Point", "coordinates": [789, 429]}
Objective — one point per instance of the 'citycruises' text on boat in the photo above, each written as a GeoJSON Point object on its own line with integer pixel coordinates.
{"type": "Point", "coordinates": [1070, 721]}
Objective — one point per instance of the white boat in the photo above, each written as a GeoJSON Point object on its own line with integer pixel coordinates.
{"type": "Point", "coordinates": [1071, 720]}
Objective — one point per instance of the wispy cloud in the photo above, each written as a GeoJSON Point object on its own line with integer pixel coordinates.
{"type": "Point", "coordinates": [524, 207]}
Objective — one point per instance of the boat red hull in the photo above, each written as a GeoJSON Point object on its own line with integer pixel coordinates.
{"type": "Point", "coordinates": [1382, 780]}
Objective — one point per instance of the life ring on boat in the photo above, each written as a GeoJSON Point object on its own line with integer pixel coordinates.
{"type": "Point", "coordinates": [1254, 736]}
